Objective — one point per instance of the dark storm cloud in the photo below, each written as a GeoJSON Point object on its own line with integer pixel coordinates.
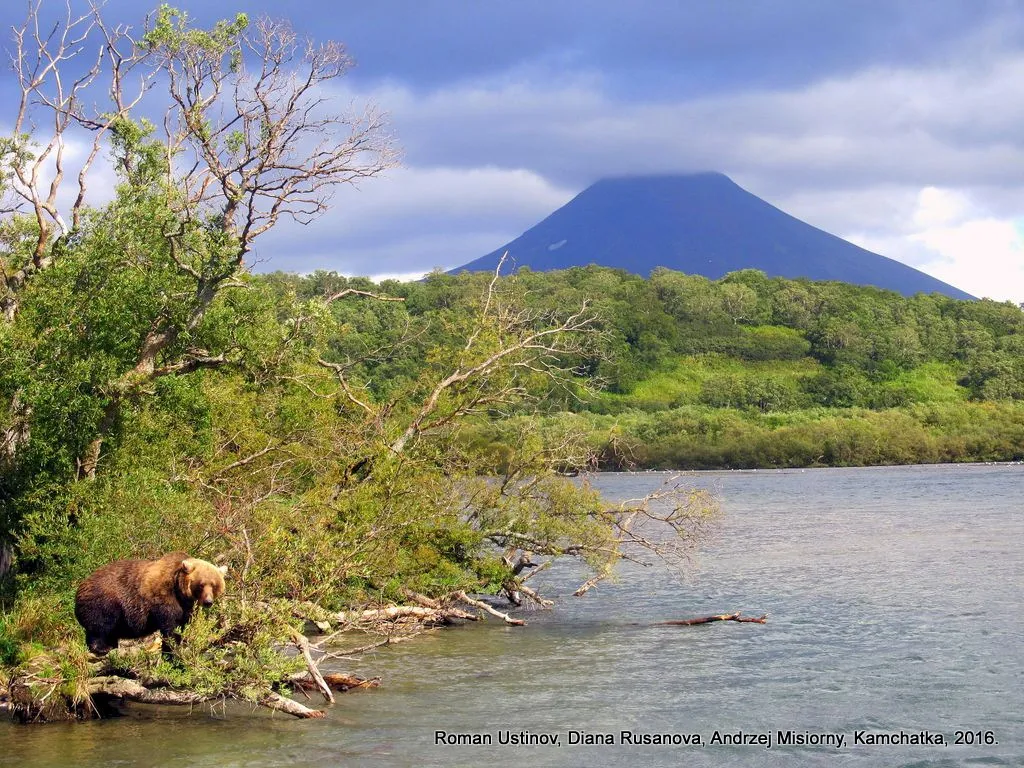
{"type": "Point", "coordinates": [646, 48]}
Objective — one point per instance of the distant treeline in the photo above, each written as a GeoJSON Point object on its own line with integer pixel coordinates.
{"type": "Point", "coordinates": [746, 371]}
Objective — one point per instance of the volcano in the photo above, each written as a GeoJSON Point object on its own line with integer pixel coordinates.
{"type": "Point", "coordinates": [702, 224]}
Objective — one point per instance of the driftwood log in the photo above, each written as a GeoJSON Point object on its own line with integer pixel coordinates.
{"type": "Point", "coordinates": [708, 619]}
{"type": "Point", "coordinates": [338, 681]}
{"type": "Point", "coordinates": [131, 690]}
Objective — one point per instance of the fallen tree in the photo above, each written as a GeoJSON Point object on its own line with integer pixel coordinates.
{"type": "Point", "coordinates": [43, 690]}
{"type": "Point", "coordinates": [62, 684]}
{"type": "Point", "coordinates": [32, 698]}
{"type": "Point", "coordinates": [65, 684]}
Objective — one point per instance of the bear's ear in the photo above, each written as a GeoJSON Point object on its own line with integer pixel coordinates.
{"type": "Point", "coordinates": [188, 565]}
{"type": "Point", "coordinates": [223, 570]}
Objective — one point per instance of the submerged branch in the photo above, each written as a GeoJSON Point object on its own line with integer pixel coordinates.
{"type": "Point", "coordinates": [291, 707]}
{"type": "Point", "coordinates": [337, 681]}
{"type": "Point", "coordinates": [32, 699]}
{"type": "Point", "coordinates": [708, 619]}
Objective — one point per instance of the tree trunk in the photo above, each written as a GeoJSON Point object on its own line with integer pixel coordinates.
{"type": "Point", "coordinates": [6, 558]}
{"type": "Point", "coordinates": [17, 432]}
{"type": "Point", "coordinates": [90, 459]}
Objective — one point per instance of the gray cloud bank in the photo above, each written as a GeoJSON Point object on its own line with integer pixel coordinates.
{"type": "Point", "coordinates": [849, 153]}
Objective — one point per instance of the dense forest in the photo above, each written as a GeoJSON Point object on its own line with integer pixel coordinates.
{"type": "Point", "coordinates": [747, 371]}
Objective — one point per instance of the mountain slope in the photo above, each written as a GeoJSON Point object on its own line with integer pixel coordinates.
{"type": "Point", "coordinates": [701, 224]}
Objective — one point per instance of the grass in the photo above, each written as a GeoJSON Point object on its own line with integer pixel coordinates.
{"type": "Point", "coordinates": [933, 383]}
{"type": "Point", "coordinates": [682, 379]}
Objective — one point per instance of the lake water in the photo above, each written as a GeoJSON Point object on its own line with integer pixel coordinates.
{"type": "Point", "coordinates": [894, 602]}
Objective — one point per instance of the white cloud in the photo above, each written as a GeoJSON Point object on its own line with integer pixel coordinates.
{"type": "Point", "coordinates": [948, 124]}
{"type": "Point", "coordinates": [101, 179]}
{"type": "Point", "coordinates": [402, 277]}
{"type": "Point", "coordinates": [955, 240]}
{"type": "Point", "coordinates": [984, 257]}
{"type": "Point", "coordinates": [441, 193]}
{"type": "Point", "coordinates": [391, 256]}
{"type": "Point", "coordinates": [415, 220]}
{"type": "Point", "coordinates": [941, 208]}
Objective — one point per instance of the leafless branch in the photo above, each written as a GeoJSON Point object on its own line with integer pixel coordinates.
{"type": "Point", "coordinates": [33, 158]}
{"type": "Point", "coordinates": [489, 609]}
{"type": "Point", "coordinates": [243, 462]}
{"type": "Point", "coordinates": [517, 339]}
{"type": "Point", "coordinates": [354, 292]}
{"type": "Point", "coordinates": [339, 373]}
{"type": "Point", "coordinates": [314, 671]}
{"type": "Point", "coordinates": [254, 132]}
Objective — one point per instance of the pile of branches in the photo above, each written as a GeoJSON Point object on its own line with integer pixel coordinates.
{"type": "Point", "coordinates": [49, 688]}
{"type": "Point", "coordinates": [61, 684]}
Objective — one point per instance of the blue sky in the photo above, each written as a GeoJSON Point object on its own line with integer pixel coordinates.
{"type": "Point", "coordinates": [898, 125]}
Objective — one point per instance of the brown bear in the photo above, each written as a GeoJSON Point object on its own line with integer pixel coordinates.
{"type": "Point", "coordinates": [133, 598]}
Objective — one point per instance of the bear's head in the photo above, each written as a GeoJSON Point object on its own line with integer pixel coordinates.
{"type": "Point", "coordinates": [202, 581]}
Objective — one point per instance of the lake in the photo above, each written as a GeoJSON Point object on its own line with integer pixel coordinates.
{"type": "Point", "coordinates": [894, 602]}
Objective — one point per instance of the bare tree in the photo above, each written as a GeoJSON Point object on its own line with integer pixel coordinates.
{"type": "Point", "coordinates": [260, 143]}
{"type": "Point", "coordinates": [506, 343]}
{"type": "Point", "coordinates": [36, 220]}
{"type": "Point", "coordinates": [249, 136]}
{"type": "Point", "coordinates": [34, 157]}
{"type": "Point", "coordinates": [246, 146]}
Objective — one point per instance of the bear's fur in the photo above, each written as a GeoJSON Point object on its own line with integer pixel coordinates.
{"type": "Point", "coordinates": [134, 598]}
